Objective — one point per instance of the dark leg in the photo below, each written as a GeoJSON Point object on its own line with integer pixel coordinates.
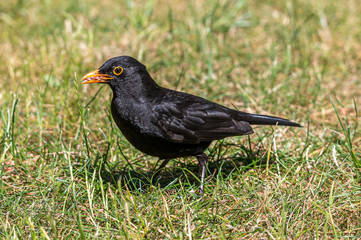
{"type": "Point", "coordinates": [202, 159]}
{"type": "Point", "coordinates": [156, 173]}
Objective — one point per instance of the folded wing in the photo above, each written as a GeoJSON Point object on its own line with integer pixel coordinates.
{"type": "Point", "coordinates": [197, 123]}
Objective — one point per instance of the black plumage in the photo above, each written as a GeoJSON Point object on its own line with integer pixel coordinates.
{"type": "Point", "coordinates": [167, 123]}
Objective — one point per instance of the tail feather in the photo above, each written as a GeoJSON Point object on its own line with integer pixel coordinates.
{"type": "Point", "coordinates": [258, 119]}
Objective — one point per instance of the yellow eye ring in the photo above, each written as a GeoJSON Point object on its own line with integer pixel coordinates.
{"type": "Point", "coordinates": [118, 70]}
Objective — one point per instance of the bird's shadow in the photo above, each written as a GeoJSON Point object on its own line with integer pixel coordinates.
{"type": "Point", "coordinates": [180, 171]}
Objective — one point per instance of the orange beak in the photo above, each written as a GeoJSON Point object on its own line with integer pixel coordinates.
{"type": "Point", "coordinates": [96, 77]}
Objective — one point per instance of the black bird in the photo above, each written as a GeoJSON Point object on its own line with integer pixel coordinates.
{"type": "Point", "coordinates": [165, 123]}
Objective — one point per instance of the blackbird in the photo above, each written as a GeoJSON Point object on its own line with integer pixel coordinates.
{"type": "Point", "coordinates": [166, 123]}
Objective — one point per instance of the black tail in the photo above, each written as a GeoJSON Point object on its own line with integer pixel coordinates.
{"type": "Point", "coordinates": [258, 119]}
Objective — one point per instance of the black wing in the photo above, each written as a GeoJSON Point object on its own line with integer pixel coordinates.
{"type": "Point", "coordinates": [197, 122]}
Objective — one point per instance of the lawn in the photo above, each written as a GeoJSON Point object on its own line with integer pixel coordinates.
{"type": "Point", "coordinates": [67, 172]}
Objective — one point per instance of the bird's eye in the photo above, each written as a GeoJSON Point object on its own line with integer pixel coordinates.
{"type": "Point", "coordinates": [118, 70]}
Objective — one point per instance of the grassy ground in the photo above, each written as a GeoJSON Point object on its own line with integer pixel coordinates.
{"type": "Point", "coordinates": [67, 172]}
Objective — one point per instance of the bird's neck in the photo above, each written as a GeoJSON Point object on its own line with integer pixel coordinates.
{"type": "Point", "coordinates": [142, 86]}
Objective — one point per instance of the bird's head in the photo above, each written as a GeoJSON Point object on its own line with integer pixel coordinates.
{"type": "Point", "coordinates": [121, 72]}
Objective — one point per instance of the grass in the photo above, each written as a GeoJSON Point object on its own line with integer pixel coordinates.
{"type": "Point", "coordinates": [67, 172]}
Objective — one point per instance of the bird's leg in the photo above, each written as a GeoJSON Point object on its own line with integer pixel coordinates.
{"type": "Point", "coordinates": [202, 159]}
{"type": "Point", "coordinates": [156, 173]}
